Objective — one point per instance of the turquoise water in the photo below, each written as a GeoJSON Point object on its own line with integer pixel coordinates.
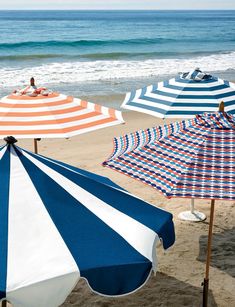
{"type": "Point", "coordinates": [103, 52]}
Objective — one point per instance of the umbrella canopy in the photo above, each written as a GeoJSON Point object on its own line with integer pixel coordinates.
{"type": "Point", "coordinates": [193, 158]}
{"type": "Point", "coordinates": [183, 97]}
{"type": "Point", "coordinates": [59, 223]}
{"type": "Point", "coordinates": [53, 115]}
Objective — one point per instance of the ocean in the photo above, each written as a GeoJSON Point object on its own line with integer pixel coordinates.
{"type": "Point", "coordinates": [99, 53]}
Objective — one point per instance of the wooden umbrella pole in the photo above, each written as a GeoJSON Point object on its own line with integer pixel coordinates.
{"type": "Point", "coordinates": [4, 303]}
{"type": "Point", "coordinates": [35, 141]}
{"type": "Point", "coordinates": [208, 256]}
{"type": "Point", "coordinates": [221, 107]}
{"type": "Point", "coordinates": [35, 145]}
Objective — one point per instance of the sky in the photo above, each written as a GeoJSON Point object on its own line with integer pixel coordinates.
{"type": "Point", "coordinates": [117, 4]}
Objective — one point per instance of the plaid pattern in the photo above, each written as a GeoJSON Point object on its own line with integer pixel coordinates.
{"type": "Point", "coordinates": [193, 158]}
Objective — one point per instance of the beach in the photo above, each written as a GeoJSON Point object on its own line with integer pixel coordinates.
{"type": "Point", "coordinates": [180, 269]}
{"type": "Point", "coordinates": [98, 56]}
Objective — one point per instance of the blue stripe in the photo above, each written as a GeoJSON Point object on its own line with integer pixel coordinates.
{"type": "Point", "coordinates": [147, 107]}
{"type": "Point", "coordinates": [194, 74]}
{"type": "Point", "coordinates": [204, 81]}
{"type": "Point", "coordinates": [183, 104]}
{"type": "Point", "coordinates": [101, 179]}
{"type": "Point", "coordinates": [207, 105]}
{"type": "Point", "coordinates": [164, 112]}
{"type": "Point", "coordinates": [184, 95]}
{"type": "Point", "coordinates": [132, 96]}
{"type": "Point", "coordinates": [134, 207]}
{"type": "Point", "coordinates": [100, 253]}
{"type": "Point", "coordinates": [225, 95]}
{"type": "Point", "coordinates": [110, 264]}
{"type": "Point", "coordinates": [4, 198]}
{"type": "Point", "coordinates": [194, 89]}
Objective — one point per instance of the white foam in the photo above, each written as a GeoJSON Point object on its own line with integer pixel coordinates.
{"type": "Point", "coordinates": [71, 72]}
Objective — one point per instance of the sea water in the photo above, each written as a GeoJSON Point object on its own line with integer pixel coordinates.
{"type": "Point", "coordinates": [87, 53]}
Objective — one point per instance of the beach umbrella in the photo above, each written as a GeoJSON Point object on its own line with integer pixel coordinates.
{"type": "Point", "coordinates": [52, 115]}
{"type": "Point", "coordinates": [194, 158]}
{"type": "Point", "coordinates": [185, 96]}
{"type": "Point", "coordinates": [59, 223]}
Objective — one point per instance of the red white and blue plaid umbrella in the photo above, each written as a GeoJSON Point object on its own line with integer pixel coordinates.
{"type": "Point", "coordinates": [59, 223]}
{"type": "Point", "coordinates": [185, 96]}
{"type": "Point", "coordinates": [193, 158]}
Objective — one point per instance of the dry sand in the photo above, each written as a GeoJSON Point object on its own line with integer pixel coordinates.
{"type": "Point", "coordinates": [181, 269]}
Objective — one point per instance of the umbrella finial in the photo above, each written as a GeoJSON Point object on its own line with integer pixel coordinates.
{"type": "Point", "coordinates": [10, 140]}
{"type": "Point", "coordinates": [221, 107]}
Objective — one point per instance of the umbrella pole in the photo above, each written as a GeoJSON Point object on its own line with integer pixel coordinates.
{"type": "Point", "coordinates": [4, 303]}
{"type": "Point", "coordinates": [192, 206]}
{"type": "Point", "coordinates": [35, 142]}
{"type": "Point", "coordinates": [208, 256]}
{"type": "Point", "coordinates": [192, 215]}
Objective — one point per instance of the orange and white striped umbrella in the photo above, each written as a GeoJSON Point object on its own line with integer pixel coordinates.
{"type": "Point", "coordinates": [55, 115]}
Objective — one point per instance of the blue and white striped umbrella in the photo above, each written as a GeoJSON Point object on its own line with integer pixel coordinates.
{"type": "Point", "coordinates": [183, 97]}
{"type": "Point", "coordinates": [59, 223]}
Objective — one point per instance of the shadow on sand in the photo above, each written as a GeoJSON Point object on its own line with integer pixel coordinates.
{"type": "Point", "coordinates": [223, 251]}
{"type": "Point", "coordinates": [162, 290]}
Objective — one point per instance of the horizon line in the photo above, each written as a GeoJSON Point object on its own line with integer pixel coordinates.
{"type": "Point", "coordinates": [100, 9]}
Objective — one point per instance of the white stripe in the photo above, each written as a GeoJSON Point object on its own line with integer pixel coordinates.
{"type": "Point", "coordinates": [138, 109]}
{"type": "Point", "coordinates": [50, 293]}
{"type": "Point", "coordinates": [127, 98]}
{"type": "Point", "coordinates": [196, 84]}
{"type": "Point", "coordinates": [25, 101]}
{"type": "Point", "coordinates": [75, 103]}
{"type": "Point", "coordinates": [187, 102]}
{"type": "Point", "coordinates": [44, 117]}
{"type": "Point", "coordinates": [136, 234]}
{"type": "Point", "coordinates": [26, 119]}
{"type": "Point", "coordinates": [229, 108]}
{"type": "Point", "coordinates": [90, 129]}
{"type": "Point", "coordinates": [55, 126]}
{"type": "Point", "coordinates": [40, 109]}
{"type": "Point", "coordinates": [61, 134]}
{"type": "Point", "coordinates": [104, 110]}
{"type": "Point", "coordinates": [2, 152]}
{"type": "Point", "coordinates": [175, 99]}
{"type": "Point", "coordinates": [209, 92]}
{"type": "Point", "coordinates": [227, 99]}
{"type": "Point", "coordinates": [179, 116]}
{"type": "Point", "coordinates": [36, 250]}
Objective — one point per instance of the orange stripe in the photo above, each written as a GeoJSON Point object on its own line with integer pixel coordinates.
{"type": "Point", "coordinates": [112, 113]}
{"type": "Point", "coordinates": [84, 103]}
{"type": "Point", "coordinates": [57, 131]}
{"type": "Point", "coordinates": [25, 97]}
{"type": "Point", "coordinates": [35, 114]}
{"type": "Point", "coordinates": [50, 121]}
{"type": "Point", "coordinates": [36, 105]}
{"type": "Point", "coordinates": [98, 108]}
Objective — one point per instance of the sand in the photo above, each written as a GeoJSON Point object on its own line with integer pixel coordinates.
{"type": "Point", "coordinates": [181, 269]}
